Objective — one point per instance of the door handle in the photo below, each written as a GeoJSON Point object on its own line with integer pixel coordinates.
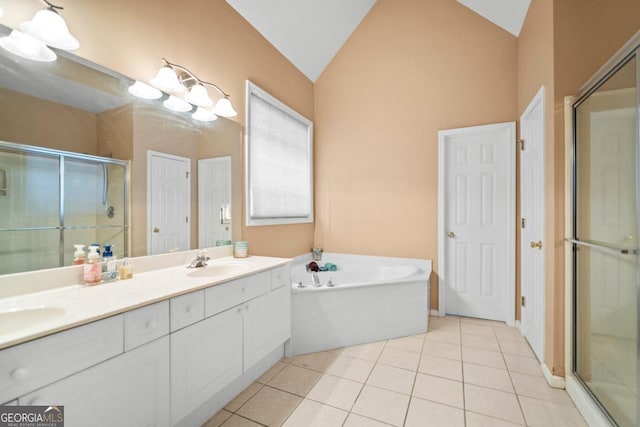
{"type": "Point", "coordinates": [451, 234]}
{"type": "Point", "coordinates": [156, 230]}
{"type": "Point", "coordinates": [537, 244]}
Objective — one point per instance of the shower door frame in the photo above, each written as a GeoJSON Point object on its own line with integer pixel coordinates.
{"type": "Point", "coordinates": [61, 155]}
{"type": "Point", "coordinates": [586, 402]}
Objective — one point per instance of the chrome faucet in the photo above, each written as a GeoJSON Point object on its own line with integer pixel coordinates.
{"type": "Point", "coordinates": [200, 261]}
{"type": "Point", "coordinates": [315, 279]}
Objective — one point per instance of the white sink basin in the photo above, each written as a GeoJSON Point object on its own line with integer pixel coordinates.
{"type": "Point", "coordinates": [221, 269]}
{"type": "Point", "coordinates": [13, 320]}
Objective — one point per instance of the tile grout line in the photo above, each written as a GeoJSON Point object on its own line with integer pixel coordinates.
{"type": "Point", "coordinates": [512, 384]}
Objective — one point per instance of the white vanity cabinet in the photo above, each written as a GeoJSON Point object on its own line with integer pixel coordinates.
{"type": "Point", "coordinates": [266, 324]}
{"type": "Point", "coordinates": [158, 365]}
{"type": "Point", "coordinates": [129, 390]}
{"type": "Point", "coordinates": [205, 358]}
{"type": "Point", "coordinates": [246, 321]}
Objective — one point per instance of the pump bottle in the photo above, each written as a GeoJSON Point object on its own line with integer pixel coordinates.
{"type": "Point", "coordinates": [92, 267]}
{"type": "Point", "coordinates": [78, 255]}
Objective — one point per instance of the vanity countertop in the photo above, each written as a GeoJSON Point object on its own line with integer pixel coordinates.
{"type": "Point", "coordinates": [34, 315]}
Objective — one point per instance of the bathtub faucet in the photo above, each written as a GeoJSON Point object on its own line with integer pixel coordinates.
{"type": "Point", "coordinates": [315, 279]}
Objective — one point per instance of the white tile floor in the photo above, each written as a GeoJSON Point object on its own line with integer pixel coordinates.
{"type": "Point", "coordinates": [463, 372]}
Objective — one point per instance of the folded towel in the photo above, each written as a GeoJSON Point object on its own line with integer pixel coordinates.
{"type": "Point", "coordinates": [331, 267]}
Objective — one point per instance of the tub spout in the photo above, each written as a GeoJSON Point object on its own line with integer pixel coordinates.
{"type": "Point", "coordinates": [315, 279]}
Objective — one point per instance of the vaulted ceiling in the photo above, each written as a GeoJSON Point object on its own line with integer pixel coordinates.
{"type": "Point", "coordinates": [310, 32]}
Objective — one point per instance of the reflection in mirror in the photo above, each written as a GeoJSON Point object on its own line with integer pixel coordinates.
{"type": "Point", "coordinates": [80, 107]}
{"type": "Point", "coordinates": [52, 199]}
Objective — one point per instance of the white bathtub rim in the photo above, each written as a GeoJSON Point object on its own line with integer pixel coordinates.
{"type": "Point", "coordinates": [423, 271]}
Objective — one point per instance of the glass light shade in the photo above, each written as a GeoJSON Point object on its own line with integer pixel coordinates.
{"type": "Point", "coordinates": [50, 28]}
{"type": "Point", "coordinates": [144, 91]}
{"type": "Point", "coordinates": [224, 108]}
{"type": "Point", "coordinates": [26, 46]}
{"type": "Point", "coordinates": [204, 115]}
{"type": "Point", "coordinates": [1, 12]}
{"type": "Point", "coordinates": [167, 81]}
{"type": "Point", "coordinates": [179, 105]}
{"type": "Point", "coordinates": [198, 96]}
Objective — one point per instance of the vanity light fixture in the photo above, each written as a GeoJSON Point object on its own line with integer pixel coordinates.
{"type": "Point", "coordinates": [167, 80]}
{"type": "Point", "coordinates": [49, 27]}
{"type": "Point", "coordinates": [1, 12]}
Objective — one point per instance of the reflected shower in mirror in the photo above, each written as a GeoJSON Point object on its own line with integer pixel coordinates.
{"type": "Point", "coordinates": [79, 107]}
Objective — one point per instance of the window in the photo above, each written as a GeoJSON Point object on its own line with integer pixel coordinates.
{"type": "Point", "coordinates": [279, 162]}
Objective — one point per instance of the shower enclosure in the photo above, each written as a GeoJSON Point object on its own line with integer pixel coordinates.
{"type": "Point", "coordinates": [604, 240]}
{"type": "Point", "coordinates": [51, 200]}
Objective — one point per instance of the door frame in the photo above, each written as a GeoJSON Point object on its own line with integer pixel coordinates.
{"type": "Point", "coordinates": [511, 199]}
{"type": "Point", "coordinates": [537, 100]}
{"type": "Point", "coordinates": [150, 154]}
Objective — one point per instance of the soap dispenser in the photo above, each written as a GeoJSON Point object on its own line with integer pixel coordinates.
{"type": "Point", "coordinates": [92, 268]}
{"type": "Point", "coordinates": [109, 269]}
{"type": "Point", "coordinates": [78, 255]}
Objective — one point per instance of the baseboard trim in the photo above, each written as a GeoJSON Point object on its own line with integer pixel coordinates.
{"type": "Point", "coordinates": [553, 380]}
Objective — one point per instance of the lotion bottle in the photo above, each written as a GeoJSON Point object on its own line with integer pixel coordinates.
{"type": "Point", "coordinates": [92, 267]}
{"type": "Point", "coordinates": [78, 255]}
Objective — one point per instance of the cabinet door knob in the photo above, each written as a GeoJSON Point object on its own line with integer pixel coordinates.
{"type": "Point", "coordinates": [156, 230]}
{"type": "Point", "coordinates": [19, 373]}
{"type": "Point", "coordinates": [536, 245]}
{"type": "Point", "coordinates": [189, 309]}
{"type": "Point", "coordinates": [451, 234]}
{"type": "Point", "coordinates": [151, 324]}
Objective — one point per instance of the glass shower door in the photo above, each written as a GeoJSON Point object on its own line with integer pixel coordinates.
{"type": "Point", "coordinates": [605, 244]}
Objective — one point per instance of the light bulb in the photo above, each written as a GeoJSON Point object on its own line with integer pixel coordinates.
{"type": "Point", "coordinates": [49, 27]}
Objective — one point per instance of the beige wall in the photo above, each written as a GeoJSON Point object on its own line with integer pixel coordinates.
{"type": "Point", "coordinates": [411, 68]}
{"type": "Point", "coordinates": [59, 127]}
{"type": "Point", "coordinates": [535, 69]}
{"type": "Point", "coordinates": [562, 44]}
{"type": "Point", "coordinates": [208, 37]}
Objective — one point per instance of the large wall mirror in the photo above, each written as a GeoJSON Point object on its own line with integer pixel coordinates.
{"type": "Point", "coordinates": [80, 109]}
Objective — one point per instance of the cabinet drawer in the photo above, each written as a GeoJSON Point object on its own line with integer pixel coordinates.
{"type": "Point", "coordinates": [145, 324]}
{"type": "Point", "coordinates": [186, 310]}
{"type": "Point", "coordinates": [281, 276]}
{"type": "Point", "coordinates": [226, 295]}
{"type": "Point", "coordinates": [34, 364]}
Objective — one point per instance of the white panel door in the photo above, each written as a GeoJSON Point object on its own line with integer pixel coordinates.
{"type": "Point", "coordinates": [169, 203]}
{"type": "Point", "coordinates": [214, 201]}
{"type": "Point", "coordinates": [532, 223]}
{"type": "Point", "coordinates": [477, 220]}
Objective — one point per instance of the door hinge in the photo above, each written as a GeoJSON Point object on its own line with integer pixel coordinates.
{"type": "Point", "coordinates": [187, 175]}
{"type": "Point", "coordinates": [522, 301]}
{"type": "Point", "coordinates": [186, 219]}
{"type": "Point", "coordinates": [522, 222]}
{"type": "Point", "coordinates": [521, 141]}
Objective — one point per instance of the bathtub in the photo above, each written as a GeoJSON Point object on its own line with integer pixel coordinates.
{"type": "Point", "coordinates": [366, 299]}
